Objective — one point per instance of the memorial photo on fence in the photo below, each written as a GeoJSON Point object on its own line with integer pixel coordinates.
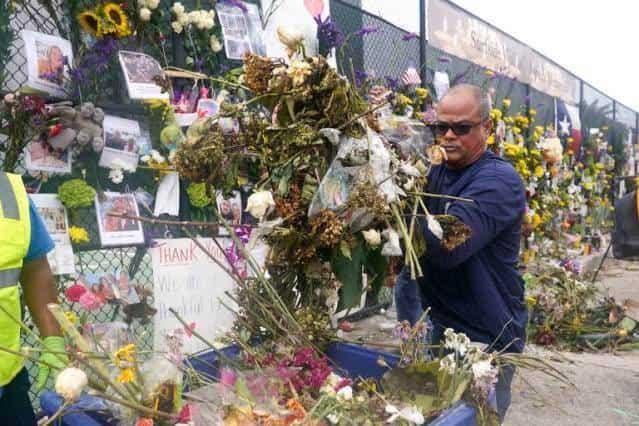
{"type": "Point", "coordinates": [39, 156]}
{"type": "Point", "coordinates": [139, 71]}
{"type": "Point", "coordinates": [48, 58]}
{"type": "Point", "coordinates": [230, 207]}
{"type": "Point", "coordinates": [120, 143]}
{"type": "Point", "coordinates": [115, 229]}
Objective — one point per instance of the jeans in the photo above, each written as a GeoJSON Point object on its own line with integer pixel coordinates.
{"type": "Point", "coordinates": [408, 302]}
{"type": "Point", "coordinates": [502, 393]}
{"type": "Point", "coordinates": [15, 405]}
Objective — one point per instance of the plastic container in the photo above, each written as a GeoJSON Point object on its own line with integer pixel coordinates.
{"type": "Point", "coordinates": [350, 360]}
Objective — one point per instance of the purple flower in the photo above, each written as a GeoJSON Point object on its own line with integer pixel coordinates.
{"type": "Point", "coordinates": [392, 82]}
{"type": "Point", "coordinates": [360, 77]}
{"type": "Point", "coordinates": [238, 4]}
{"type": "Point", "coordinates": [410, 36]}
{"type": "Point", "coordinates": [369, 29]}
{"type": "Point", "coordinates": [328, 34]}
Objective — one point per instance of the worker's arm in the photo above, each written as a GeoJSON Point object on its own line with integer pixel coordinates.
{"type": "Point", "coordinates": [39, 289]}
{"type": "Point", "coordinates": [498, 202]}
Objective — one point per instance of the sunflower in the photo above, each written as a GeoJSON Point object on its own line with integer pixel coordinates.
{"type": "Point", "coordinates": [90, 22]}
{"type": "Point", "coordinates": [116, 17]}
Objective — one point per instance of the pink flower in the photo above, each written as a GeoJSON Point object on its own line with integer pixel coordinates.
{"type": "Point", "coordinates": [89, 301]}
{"type": "Point", "coordinates": [74, 292]}
{"type": "Point", "coordinates": [228, 377]}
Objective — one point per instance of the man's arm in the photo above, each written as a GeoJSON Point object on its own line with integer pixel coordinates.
{"type": "Point", "coordinates": [39, 289]}
{"type": "Point", "coordinates": [497, 203]}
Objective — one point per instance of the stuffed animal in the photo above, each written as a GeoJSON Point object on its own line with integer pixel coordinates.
{"type": "Point", "coordinates": [81, 126]}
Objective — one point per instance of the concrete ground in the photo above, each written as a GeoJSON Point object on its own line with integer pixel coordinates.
{"type": "Point", "coordinates": [606, 386]}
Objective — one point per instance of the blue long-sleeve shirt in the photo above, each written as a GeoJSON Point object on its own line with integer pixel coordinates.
{"type": "Point", "coordinates": [476, 288]}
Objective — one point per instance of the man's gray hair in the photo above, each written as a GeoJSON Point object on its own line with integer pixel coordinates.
{"type": "Point", "coordinates": [482, 99]}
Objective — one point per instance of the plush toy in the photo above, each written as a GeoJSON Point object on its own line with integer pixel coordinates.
{"type": "Point", "coordinates": [81, 126]}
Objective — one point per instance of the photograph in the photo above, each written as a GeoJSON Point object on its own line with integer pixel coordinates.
{"type": "Point", "coordinates": [54, 215]}
{"type": "Point", "coordinates": [118, 230]}
{"type": "Point", "coordinates": [39, 156]}
{"type": "Point", "coordinates": [120, 143]}
{"type": "Point", "coordinates": [47, 59]}
{"type": "Point", "coordinates": [124, 290]}
{"type": "Point", "coordinates": [242, 31]}
{"type": "Point", "coordinates": [207, 108]}
{"type": "Point", "coordinates": [230, 208]}
{"type": "Point", "coordinates": [139, 70]}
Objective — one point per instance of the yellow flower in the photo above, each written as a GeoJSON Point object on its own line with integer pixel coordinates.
{"type": "Point", "coordinates": [539, 171]}
{"type": "Point", "coordinates": [421, 92]}
{"type": "Point", "coordinates": [403, 100]}
{"type": "Point", "coordinates": [506, 103]}
{"type": "Point", "coordinates": [536, 220]}
{"type": "Point", "coordinates": [490, 140]}
{"type": "Point", "coordinates": [495, 114]}
{"type": "Point", "coordinates": [127, 375]}
{"type": "Point", "coordinates": [71, 316]}
{"type": "Point", "coordinates": [90, 23]}
{"type": "Point", "coordinates": [516, 130]}
{"type": "Point", "coordinates": [532, 112]}
{"type": "Point", "coordinates": [489, 73]}
{"type": "Point", "coordinates": [78, 235]}
{"type": "Point", "coordinates": [125, 353]}
{"type": "Point", "coordinates": [116, 16]}
{"type": "Point", "coordinates": [531, 301]}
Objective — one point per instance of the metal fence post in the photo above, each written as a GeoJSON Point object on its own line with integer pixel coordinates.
{"type": "Point", "coordinates": [422, 41]}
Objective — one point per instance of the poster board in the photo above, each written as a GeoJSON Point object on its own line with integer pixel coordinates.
{"type": "Point", "coordinates": [187, 280]}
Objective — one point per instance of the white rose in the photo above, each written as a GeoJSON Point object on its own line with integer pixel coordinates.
{"type": "Point", "coordinates": [177, 27]}
{"type": "Point", "coordinates": [333, 418]}
{"type": "Point", "coordinates": [193, 16]}
{"type": "Point", "coordinates": [391, 247]}
{"type": "Point", "coordinates": [152, 4]}
{"type": "Point", "coordinates": [211, 14]}
{"type": "Point", "coordinates": [116, 175]}
{"type": "Point", "coordinates": [177, 8]}
{"type": "Point", "coordinates": [156, 156]}
{"type": "Point", "coordinates": [345, 394]}
{"type": "Point", "coordinates": [145, 158]}
{"type": "Point", "coordinates": [210, 23]}
{"type": "Point", "coordinates": [216, 46]}
{"type": "Point", "coordinates": [183, 19]}
{"type": "Point", "coordinates": [372, 237]}
{"type": "Point", "coordinates": [482, 369]}
{"type": "Point", "coordinates": [259, 203]}
{"type": "Point", "coordinates": [145, 14]}
{"type": "Point", "coordinates": [289, 37]}
{"type": "Point", "coordinates": [70, 383]}
{"type": "Point", "coordinates": [410, 414]}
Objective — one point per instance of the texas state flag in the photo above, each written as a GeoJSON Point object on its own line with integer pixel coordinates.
{"type": "Point", "coordinates": [568, 124]}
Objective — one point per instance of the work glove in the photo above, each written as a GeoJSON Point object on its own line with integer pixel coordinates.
{"type": "Point", "coordinates": [53, 358]}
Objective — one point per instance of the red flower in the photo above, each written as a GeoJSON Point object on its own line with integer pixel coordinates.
{"type": "Point", "coordinates": [74, 292]}
{"type": "Point", "coordinates": [55, 130]}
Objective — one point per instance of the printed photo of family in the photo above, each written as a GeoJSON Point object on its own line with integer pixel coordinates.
{"type": "Point", "coordinates": [139, 71]}
{"type": "Point", "coordinates": [110, 287]}
{"type": "Point", "coordinates": [115, 229]}
{"type": "Point", "coordinates": [230, 208]}
{"type": "Point", "coordinates": [121, 143]}
{"type": "Point", "coordinates": [39, 156]}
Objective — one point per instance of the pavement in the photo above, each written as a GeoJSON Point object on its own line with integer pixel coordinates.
{"type": "Point", "coordinates": [605, 386]}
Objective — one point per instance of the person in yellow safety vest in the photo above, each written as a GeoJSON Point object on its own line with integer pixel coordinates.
{"type": "Point", "coordinates": [24, 244]}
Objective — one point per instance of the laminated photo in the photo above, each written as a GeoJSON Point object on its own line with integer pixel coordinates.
{"type": "Point", "coordinates": [39, 156]}
{"type": "Point", "coordinates": [242, 30]}
{"type": "Point", "coordinates": [207, 108]}
{"type": "Point", "coordinates": [230, 209]}
{"type": "Point", "coordinates": [54, 215]}
{"type": "Point", "coordinates": [48, 58]}
{"type": "Point", "coordinates": [139, 72]}
{"type": "Point", "coordinates": [121, 143]}
{"type": "Point", "coordinates": [115, 230]}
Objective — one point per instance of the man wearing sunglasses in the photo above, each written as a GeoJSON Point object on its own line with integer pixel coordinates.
{"type": "Point", "coordinates": [475, 288]}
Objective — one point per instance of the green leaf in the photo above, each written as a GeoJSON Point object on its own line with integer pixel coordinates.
{"type": "Point", "coordinates": [345, 249]}
{"type": "Point", "coordinates": [377, 270]}
{"type": "Point", "coordinates": [349, 272]}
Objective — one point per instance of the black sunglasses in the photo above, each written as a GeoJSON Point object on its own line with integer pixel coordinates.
{"type": "Point", "coordinates": [440, 128]}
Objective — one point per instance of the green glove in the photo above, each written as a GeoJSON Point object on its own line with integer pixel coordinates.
{"type": "Point", "coordinates": [53, 356]}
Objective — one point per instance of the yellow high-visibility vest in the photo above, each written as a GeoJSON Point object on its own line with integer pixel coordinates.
{"type": "Point", "coordinates": [15, 235]}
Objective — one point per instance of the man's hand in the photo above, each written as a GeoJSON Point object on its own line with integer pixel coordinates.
{"type": "Point", "coordinates": [53, 358]}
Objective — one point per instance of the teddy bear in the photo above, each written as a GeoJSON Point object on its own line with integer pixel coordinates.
{"type": "Point", "coordinates": [81, 126]}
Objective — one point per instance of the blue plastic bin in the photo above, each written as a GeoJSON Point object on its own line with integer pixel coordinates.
{"type": "Point", "coordinates": [351, 360]}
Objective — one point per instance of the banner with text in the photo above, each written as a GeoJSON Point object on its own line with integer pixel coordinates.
{"type": "Point", "coordinates": [187, 280]}
{"type": "Point", "coordinates": [454, 31]}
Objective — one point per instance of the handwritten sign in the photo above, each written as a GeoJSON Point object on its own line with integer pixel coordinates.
{"type": "Point", "coordinates": [187, 280]}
